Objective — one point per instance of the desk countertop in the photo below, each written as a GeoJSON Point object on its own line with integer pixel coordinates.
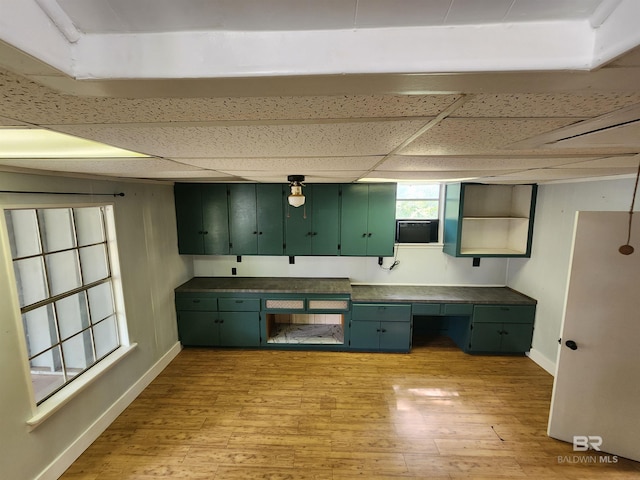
{"type": "Point", "coordinates": [359, 293]}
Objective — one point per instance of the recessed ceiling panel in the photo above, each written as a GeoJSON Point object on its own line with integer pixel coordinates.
{"type": "Point", "coordinates": [301, 165]}
{"type": "Point", "coordinates": [305, 140]}
{"type": "Point", "coordinates": [551, 10]}
{"type": "Point", "coordinates": [529, 105]}
{"type": "Point", "coordinates": [422, 164]}
{"type": "Point", "coordinates": [119, 167]}
{"type": "Point", "coordinates": [483, 136]}
{"type": "Point", "coordinates": [439, 176]}
{"type": "Point", "coordinates": [608, 162]}
{"type": "Point", "coordinates": [550, 174]}
{"type": "Point", "coordinates": [315, 176]}
{"type": "Point", "coordinates": [37, 104]}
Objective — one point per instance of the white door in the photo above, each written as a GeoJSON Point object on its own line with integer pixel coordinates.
{"type": "Point", "coordinates": [596, 391]}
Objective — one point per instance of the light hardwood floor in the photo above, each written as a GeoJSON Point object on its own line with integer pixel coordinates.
{"type": "Point", "coordinates": [436, 413]}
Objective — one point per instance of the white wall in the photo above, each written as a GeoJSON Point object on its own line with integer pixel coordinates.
{"type": "Point", "coordinates": [419, 265]}
{"type": "Point", "coordinates": [544, 276]}
{"type": "Point", "coordinates": [150, 267]}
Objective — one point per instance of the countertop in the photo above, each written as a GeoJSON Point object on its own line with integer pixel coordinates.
{"type": "Point", "coordinates": [438, 294]}
{"type": "Point", "coordinates": [359, 293]}
{"type": "Point", "coordinates": [331, 286]}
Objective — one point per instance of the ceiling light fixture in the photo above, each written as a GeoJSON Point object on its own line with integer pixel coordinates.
{"type": "Point", "coordinates": [296, 199]}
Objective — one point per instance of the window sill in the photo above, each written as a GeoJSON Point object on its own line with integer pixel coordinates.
{"type": "Point", "coordinates": [60, 399]}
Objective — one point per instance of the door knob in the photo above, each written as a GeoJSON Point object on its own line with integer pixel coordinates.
{"type": "Point", "coordinates": [571, 344]}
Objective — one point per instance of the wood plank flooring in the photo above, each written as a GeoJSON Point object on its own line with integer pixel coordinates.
{"type": "Point", "coordinates": [436, 413]}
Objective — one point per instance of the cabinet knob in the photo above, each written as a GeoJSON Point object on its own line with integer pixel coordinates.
{"type": "Point", "coordinates": [369, 234]}
{"type": "Point", "coordinates": [364, 235]}
{"type": "Point", "coordinates": [196, 301]}
{"type": "Point", "coordinates": [259, 233]}
{"type": "Point", "coordinates": [205, 233]}
{"type": "Point", "coordinates": [383, 330]}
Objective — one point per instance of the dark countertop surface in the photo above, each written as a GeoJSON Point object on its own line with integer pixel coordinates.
{"type": "Point", "coordinates": [267, 285]}
{"type": "Point", "coordinates": [359, 293]}
{"type": "Point", "coordinates": [438, 294]}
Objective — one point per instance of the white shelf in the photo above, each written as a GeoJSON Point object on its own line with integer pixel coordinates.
{"type": "Point", "coordinates": [490, 251]}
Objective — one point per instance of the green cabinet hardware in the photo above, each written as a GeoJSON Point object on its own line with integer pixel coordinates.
{"type": "Point", "coordinates": [255, 219]}
{"type": "Point", "coordinates": [314, 229]}
{"type": "Point", "coordinates": [501, 329]}
{"type": "Point", "coordinates": [489, 220]}
{"type": "Point", "coordinates": [368, 219]}
{"type": "Point", "coordinates": [381, 327]}
{"type": "Point", "coordinates": [201, 217]}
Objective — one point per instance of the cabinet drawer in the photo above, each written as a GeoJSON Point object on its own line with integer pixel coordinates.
{"type": "Point", "coordinates": [284, 304]}
{"type": "Point", "coordinates": [196, 303]}
{"type": "Point", "coordinates": [457, 309]}
{"type": "Point", "coordinates": [381, 312]}
{"type": "Point", "coordinates": [504, 313]}
{"type": "Point", "coordinates": [426, 309]}
{"type": "Point", "coordinates": [239, 304]}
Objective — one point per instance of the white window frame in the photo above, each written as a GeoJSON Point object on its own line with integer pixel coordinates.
{"type": "Point", "coordinates": [53, 403]}
{"type": "Point", "coordinates": [439, 199]}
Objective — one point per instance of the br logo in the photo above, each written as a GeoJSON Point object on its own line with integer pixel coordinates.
{"type": "Point", "coordinates": [582, 443]}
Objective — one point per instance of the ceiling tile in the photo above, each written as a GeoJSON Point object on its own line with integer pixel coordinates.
{"type": "Point", "coordinates": [435, 176]}
{"type": "Point", "coordinates": [529, 105]}
{"type": "Point", "coordinates": [468, 12]}
{"type": "Point", "coordinates": [483, 136]}
{"type": "Point", "coordinates": [300, 165]}
{"type": "Point", "coordinates": [316, 176]}
{"type": "Point", "coordinates": [608, 162]}
{"type": "Point", "coordinates": [551, 10]}
{"type": "Point", "coordinates": [422, 164]}
{"type": "Point", "coordinates": [37, 104]}
{"type": "Point", "coordinates": [385, 13]}
{"type": "Point", "coordinates": [140, 168]}
{"type": "Point", "coordinates": [306, 140]}
{"type": "Point", "coordinates": [550, 174]}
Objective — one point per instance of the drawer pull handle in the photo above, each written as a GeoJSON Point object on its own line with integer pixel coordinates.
{"type": "Point", "coordinates": [504, 309]}
{"type": "Point", "coordinates": [196, 301]}
{"type": "Point", "coordinates": [239, 301]}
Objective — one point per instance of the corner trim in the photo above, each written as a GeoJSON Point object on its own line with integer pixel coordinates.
{"type": "Point", "coordinates": [56, 468]}
{"type": "Point", "coordinates": [542, 361]}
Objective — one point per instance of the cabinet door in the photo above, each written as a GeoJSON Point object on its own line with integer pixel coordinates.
{"type": "Point", "coordinates": [381, 220]}
{"type": "Point", "coordinates": [485, 337]}
{"type": "Point", "coordinates": [298, 225]}
{"type": "Point", "coordinates": [365, 335]}
{"type": "Point", "coordinates": [353, 226]}
{"type": "Point", "coordinates": [395, 336]}
{"type": "Point", "coordinates": [269, 219]}
{"type": "Point", "coordinates": [516, 337]}
{"type": "Point", "coordinates": [243, 227]}
{"type": "Point", "coordinates": [239, 329]}
{"type": "Point", "coordinates": [215, 219]}
{"type": "Point", "coordinates": [188, 202]}
{"type": "Point", "coordinates": [198, 328]}
{"type": "Point", "coordinates": [325, 215]}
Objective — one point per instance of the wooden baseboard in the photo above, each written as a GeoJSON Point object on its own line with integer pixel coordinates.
{"type": "Point", "coordinates": [71, 454]}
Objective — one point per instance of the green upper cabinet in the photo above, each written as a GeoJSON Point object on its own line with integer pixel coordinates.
{"type": "Point", "coordinates": [255, 219]}
{"type": "Point", "coordinates": [201, 216]}
{"type": "Point", "coordinates": [483, 220]}
{"type": "Point", "coordinates": [368, 219]}
{"type": "Point", "coordinates": [314, 229]}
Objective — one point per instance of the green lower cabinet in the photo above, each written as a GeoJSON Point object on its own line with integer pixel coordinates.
{"type": "Point", "coordinates": [501, 329]}
{"type": "Point", "coordinates": [198, 329]}
{"type": "Point", "coordinates": [381, 336]}
{"type": "Point", "coordinates": [381, 327]}
{"type": "Point", "coordinates": [239, 329]}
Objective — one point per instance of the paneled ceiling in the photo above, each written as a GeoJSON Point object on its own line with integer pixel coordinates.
{"type": "Point", "coordinates": [516, 125]}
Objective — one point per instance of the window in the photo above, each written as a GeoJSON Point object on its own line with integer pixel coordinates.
{"type": "Point", "coordinates": [417, 213]}
{"type": "Point", "coordinates": [418, 201]}
{"type": "Point", "coordinates": [62, 264]}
